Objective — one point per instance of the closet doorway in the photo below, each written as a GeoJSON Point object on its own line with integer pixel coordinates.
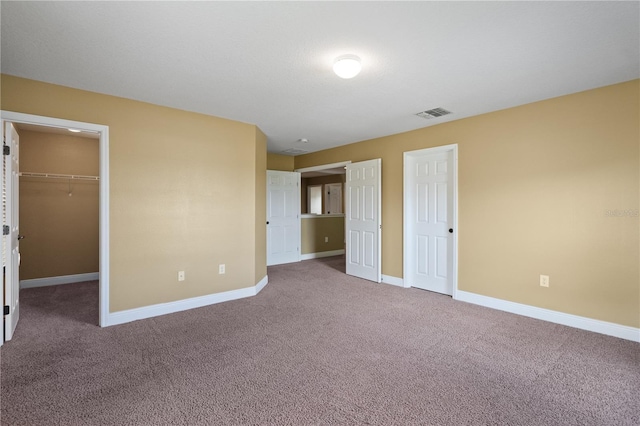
{"type": "Point", "coordinates": [58, 191]}
{"type": "Point", "coordinates": [59, 205]}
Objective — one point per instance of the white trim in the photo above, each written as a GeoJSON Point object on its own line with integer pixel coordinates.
{"type": "Point", "coordinates": [322, 167]}
{"type": "Point", "coordinates": [104, 227]}
{"type": "Point", "coordinates": [583, 323]}
{"type": "Point", "coordinates": [129, 315]}
{"type": "Point", "coordinates": [262, 283]}
{"type": "Point", "coordinates": [388, 279]}
{"type": "Point", "coordinates": [444, 148]}
{"type": "Point", "coordinates": [320, 216]}
{"type": "Point", "coordinates": [320, 254]}
{"type": "Point", "coordinates": [62, 279]}
{"type": "Point", "coordinates": [103, 131]}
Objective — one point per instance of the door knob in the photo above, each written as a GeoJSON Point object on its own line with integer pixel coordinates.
{"type": "Point", "coordinates": [20, 237]}
{"type": "Point", "coordinates": [451, 230]}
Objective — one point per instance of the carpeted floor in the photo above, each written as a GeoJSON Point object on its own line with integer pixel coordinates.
{"type": "Point", "coordinates": [314, 347]}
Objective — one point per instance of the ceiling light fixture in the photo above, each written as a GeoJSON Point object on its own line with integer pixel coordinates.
{"type": "Point", "coordinates": [347, 66]}
{"type": "Point", "coordinates": [74, 130]}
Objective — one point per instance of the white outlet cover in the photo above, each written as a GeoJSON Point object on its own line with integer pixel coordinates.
{"type": "Point", "coordinates": [544, 280]}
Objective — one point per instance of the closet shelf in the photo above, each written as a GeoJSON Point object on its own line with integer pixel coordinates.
{"type": "Point", "coordinates": [58, 176]}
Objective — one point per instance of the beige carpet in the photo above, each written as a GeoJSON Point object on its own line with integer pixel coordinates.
{"type": "Point", "coordinates": [314, 347]}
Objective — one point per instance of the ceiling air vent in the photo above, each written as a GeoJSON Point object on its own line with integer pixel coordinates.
{"type": "Point", "coordinates": [433, 113]}
{"type": "Point", "coordinates": [294, 151]}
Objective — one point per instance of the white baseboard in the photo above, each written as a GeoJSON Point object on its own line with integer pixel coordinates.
{"type": "Point", "coordinates": [583, 323]}
{"type": "Point", "coordinates": [63, 279]}
{"type": "Point", "coordinates": [388, 279]}
{"type": "Point", "coordinates": [262, 283]}
{"type": "Point", "coordinates": [129, 315]}
{"type": "Point", "coordinates": [321, 254]}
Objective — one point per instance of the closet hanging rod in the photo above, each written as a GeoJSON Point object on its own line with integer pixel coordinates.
{"type": "Point", "coordinates": [58, 176]}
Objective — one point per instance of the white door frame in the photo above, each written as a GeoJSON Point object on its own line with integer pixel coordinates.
{"type": "Point", "coordinates": [405, 198]}
{"type": "Point", "coordinates": [322, 167]}
{"type": "Point", "coordinates": [103, 131]}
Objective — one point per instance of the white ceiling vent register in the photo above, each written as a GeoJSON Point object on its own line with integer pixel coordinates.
{"type": "Point", "coordinates": [433, 113]}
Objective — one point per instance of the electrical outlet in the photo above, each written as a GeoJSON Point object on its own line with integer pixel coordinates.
{"type": "Point", "coordinates": [326, 239]}
{"type": "Point", "coordinates": [180, 275]}
{"type": "Point", "coordinates": [544, 280]}
{"type": "Point", "coordinates": [221, 269]}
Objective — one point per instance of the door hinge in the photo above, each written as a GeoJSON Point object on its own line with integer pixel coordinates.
{"type": "Point", "coordinates": [5, 230]}
{"type": "Point", "coordinates": [6, 150]}
{"type": "Point", "coordinates": [6, 310]}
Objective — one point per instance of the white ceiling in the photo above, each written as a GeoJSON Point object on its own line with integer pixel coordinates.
{"type": "Point", "coordinates": [269, 63]}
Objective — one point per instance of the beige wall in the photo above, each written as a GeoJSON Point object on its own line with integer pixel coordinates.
{"type": "Point", "coordinates": [283, 163]}
{"type": "Point", "coordinates": [314, 231]}
{"type": "Point", "coordinates": [182, 192]}
{"type": "Point", "coordinates": [61, 231]}
{"type": "Point", "coordinates": [535, 183]}
{"type": "Point", "coordinates": [319, 180]}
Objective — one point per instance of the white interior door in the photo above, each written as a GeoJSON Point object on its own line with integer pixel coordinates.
{"type": "Point", "coordinates": [283, 217]}
{"type": "Point", "coordinates": [11, 242]}
{"type": "Point", "coordinates": [363, 220]}
{"type": "Point", "coordinates": [429, 220]}
{"type": "Point", "coordinates": [333, 198]}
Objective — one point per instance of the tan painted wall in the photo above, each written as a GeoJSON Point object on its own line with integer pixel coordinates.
{"type": "Point", "coordinates": [182, 192]}
{"type": "Point", "coordinates": [61, 231]}
{"type": "Point", "coordinates": [535, 183]}
{"type": "Point", "coordinates": [283, 163]}
{"type": "Point", "coordinates": [261, 207]}
{"type": "Point", "coordinates": [319, 180]}
{"type": "Point", "coordinates": [314, 230]}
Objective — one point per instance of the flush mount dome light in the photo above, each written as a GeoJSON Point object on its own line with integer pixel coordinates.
{"type": "Point", "coordinates": [347, 66]}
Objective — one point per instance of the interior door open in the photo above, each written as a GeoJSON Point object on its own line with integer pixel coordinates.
{"type": "Point", "coordinates": [363, 220]}
{"type": "Point", "coordinates": [283, 217]}
{"type": "Point", "coordinates": [11, 242]}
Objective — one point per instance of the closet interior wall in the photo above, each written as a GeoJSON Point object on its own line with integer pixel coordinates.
{"type": "Point", "coordinates": [58, 216]}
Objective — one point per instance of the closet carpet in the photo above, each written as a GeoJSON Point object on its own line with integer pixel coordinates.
{"type": "Point", "coordinates": [315, 347]}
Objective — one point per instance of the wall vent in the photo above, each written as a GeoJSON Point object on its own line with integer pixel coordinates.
{"type": "Point", "coordinates": [433, 113]}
